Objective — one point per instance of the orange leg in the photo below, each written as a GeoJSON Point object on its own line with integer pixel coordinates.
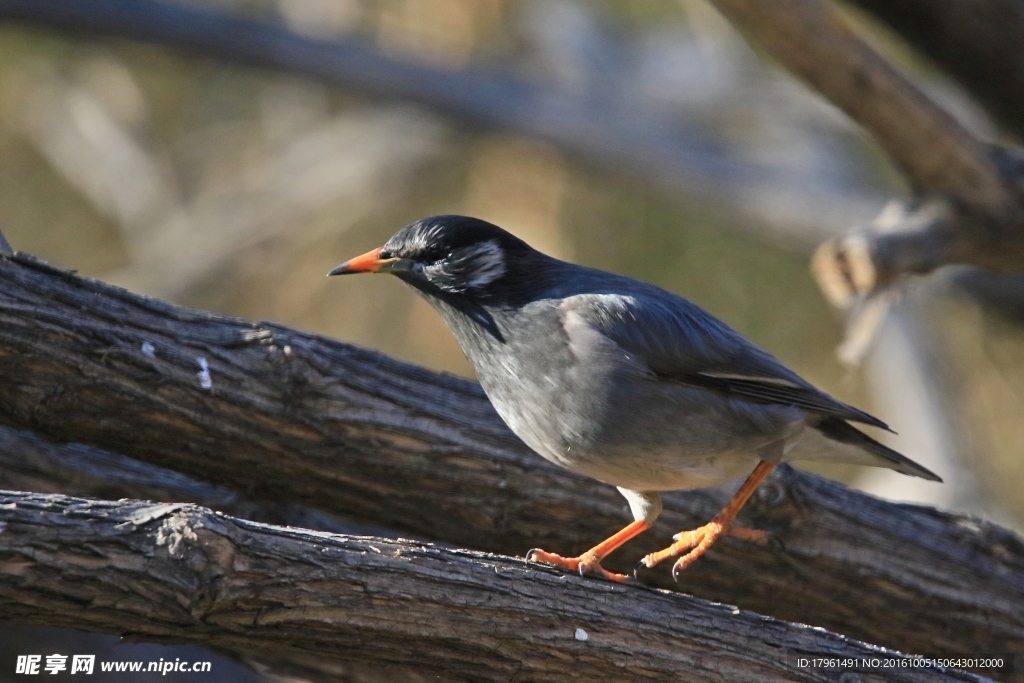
{"type": "Point", "coordinates": [699, 540]}
{"type": "Point", "coordinates": [590, 561]}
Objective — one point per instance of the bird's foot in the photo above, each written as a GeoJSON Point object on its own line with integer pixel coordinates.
{"type": "Point", "coordinates": [697, 541]}
{"type": "Point", "coordinates": [586, 564]}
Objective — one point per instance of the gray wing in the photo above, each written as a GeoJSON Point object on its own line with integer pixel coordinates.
{"type": "Point", "coordinates": [679, 342]}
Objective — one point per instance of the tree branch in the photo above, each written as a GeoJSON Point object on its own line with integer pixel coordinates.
{"type": "Point", "coordinates": [295, 418]}
{"type": "Point", "coordinates": [976, 41]}
{"type": "Point", "coordinates": [810, 39]}
{"type": "Point", "coordinates": [28, 463]}
{"type": "Point", "coordinates": [184, 573]}
{"type": "Point", "coordinates": [969, 203]}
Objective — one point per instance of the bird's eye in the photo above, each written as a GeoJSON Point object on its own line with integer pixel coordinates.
{"type": "Point", "coordinates": [384, 253]}
{"type": "Point", "coordinates": [435, 254]}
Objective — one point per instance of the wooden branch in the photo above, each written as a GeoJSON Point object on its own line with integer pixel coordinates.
{"type": "Point", "coordinates": [999, 292]}
{"type": "Point", "coordinates": [975, 41]}
{"type": "Point", "coordinates": [295, 418]}
{"type": "Point", "coordinates": [180, 572]}
{"type": "Point", "coordinates": [969, 203]}
{"type": "Point", "coordinates": [905, 238]}
{"type": "Point", "coordinates": [810, 40]}
{"type": "Point", "coordinates": [915, 238]}
{"type": "Point", "coordinates": [28, 463]}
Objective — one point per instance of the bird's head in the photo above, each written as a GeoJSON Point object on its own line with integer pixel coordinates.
{"type": "Point", "coordinates": [449, 255]}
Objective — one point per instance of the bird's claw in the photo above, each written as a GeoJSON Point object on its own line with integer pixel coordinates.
{"type": "Point", "coordinates": [648, 563]}
{"type": "Point", "coordinates": [586, 566]}
{"type": "Point", "coordinates": [697, 541]}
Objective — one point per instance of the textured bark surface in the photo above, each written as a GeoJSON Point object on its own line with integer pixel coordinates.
{"type": "Point", "coordinates": [29, 463]}
{"type": "Point", "coordinates": [181, 572]}
{"type": "Point", "coordinates": [294, 418]}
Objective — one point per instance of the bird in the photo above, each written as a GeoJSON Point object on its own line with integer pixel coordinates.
{"type": "Point", "coordinates": [621, 381]}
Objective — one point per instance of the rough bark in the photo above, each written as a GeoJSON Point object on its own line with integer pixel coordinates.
{"type": "Point", "coordinates": [294, 418]}
{"type": "Point", "coordinates": [180, 572]}
{"type": "Point", "coordinates": [29, 463]}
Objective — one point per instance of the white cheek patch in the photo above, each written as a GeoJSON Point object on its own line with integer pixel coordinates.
{"type": "Point", "coordinates": [488, 264]}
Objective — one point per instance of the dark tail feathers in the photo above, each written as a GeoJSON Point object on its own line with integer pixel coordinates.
{"type": "Point", "coordinates": [839, 430]}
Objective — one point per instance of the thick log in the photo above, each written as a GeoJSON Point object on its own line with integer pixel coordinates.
{"type": "Point", "coordinates": [290, 417]}
{"type": "Point", "coordinates": [296, 597]}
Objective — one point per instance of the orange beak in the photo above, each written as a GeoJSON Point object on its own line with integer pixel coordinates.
{"type": "Point", "coordinates": [370, 262]}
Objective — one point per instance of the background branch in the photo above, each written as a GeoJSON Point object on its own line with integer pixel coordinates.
{"type": "Point", "coordinates": [179, 572]}
{"type": "Point", "coordinates": [970, 208]}
{"type": "Point", "coordinates": [295, 418]}
{"type": "Point", "coordinates": [810, 39]}
{"type": "Point", "coordinates": [975, 41]}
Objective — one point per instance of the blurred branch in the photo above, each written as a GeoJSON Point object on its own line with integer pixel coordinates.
{"type": "Point", "coordinates": [295, 418]}
{"type": "Point", "coordinates": [976, 41]}
{"type": "Point", "coordinates": [179, 572]}
{"type": "Point", "coordinates": [351, 160]}
{"type": "Point", "coordinates": [1000, 292]}
{"type": "Point", "coordinates": [938, 156]}
{"type": "Point", "coordinates": [658, 149]}
{"type": "Point", "coordinates": [810, 39]}
{"type": "Point", "coordinates": [969, 204]}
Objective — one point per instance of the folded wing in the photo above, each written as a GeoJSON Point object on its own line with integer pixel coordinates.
{"type": "Point", "coordinates": [679, 342]}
